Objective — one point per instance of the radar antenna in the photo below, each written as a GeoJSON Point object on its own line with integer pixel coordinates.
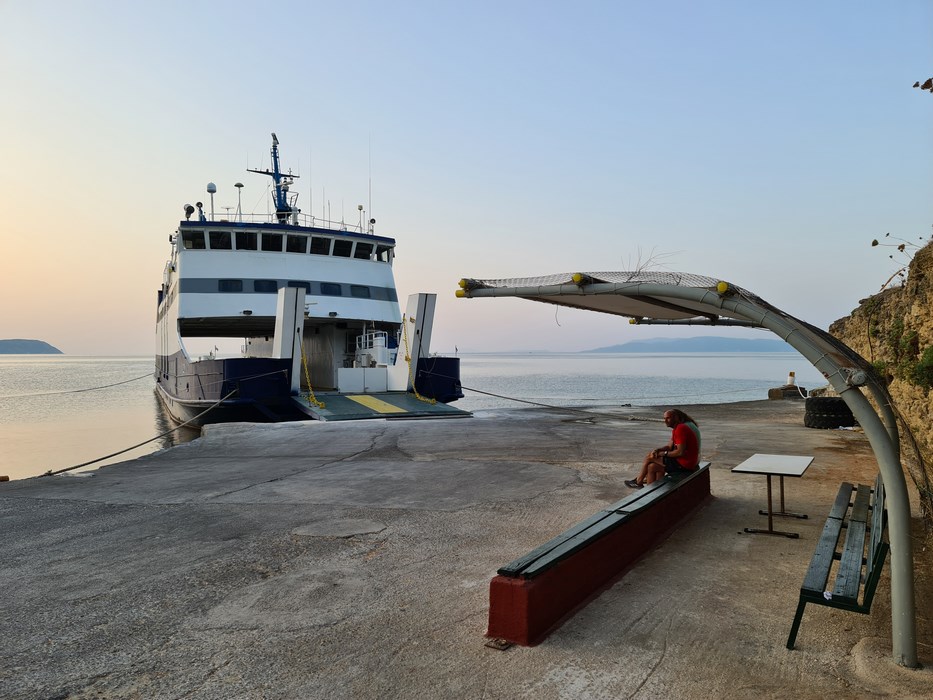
{"type": "Point", "coordinates": [281, 183]}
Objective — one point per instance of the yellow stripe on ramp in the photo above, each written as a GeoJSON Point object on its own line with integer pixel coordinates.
{"type": "Point", "coordinates": [378, 405]}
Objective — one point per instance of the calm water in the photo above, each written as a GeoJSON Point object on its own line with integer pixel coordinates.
{"type": "Point", "coordinates": [59, 411]}
{"type": "Point", "coordinates": [574, 379]}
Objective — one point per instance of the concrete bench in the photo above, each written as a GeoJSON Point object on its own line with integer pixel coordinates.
{"type": "Point", "coordinates": [532, 595]}
{"type": "Point", "coordinates": [860, 558]}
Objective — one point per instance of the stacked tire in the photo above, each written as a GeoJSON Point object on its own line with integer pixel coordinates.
{"type": "Point", "coordinates": [827, 412]}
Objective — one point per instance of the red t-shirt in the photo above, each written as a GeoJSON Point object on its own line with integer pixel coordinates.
{"type": "Point", "coordinates": [688, 435]}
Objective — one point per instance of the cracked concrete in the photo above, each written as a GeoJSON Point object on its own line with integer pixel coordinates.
{"type": "Point", "coordinates": [352, 560]}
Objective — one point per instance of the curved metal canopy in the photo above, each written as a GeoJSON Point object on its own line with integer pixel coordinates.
{"type": "Point", "coordinates": [675, 298]}
{"type": "Point", "coordinates": [603, 291]}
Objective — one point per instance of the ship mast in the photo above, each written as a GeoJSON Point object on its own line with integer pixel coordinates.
{"type": "Point", "coordinates": [280, 182]}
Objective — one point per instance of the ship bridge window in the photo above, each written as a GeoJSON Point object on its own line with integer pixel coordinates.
{"type": "Point", "coordinates": [272, 242]}
{"type": "Point", "coordinates": [342, 248]}
{"type": "Point", "coordinates": [359, 291]}
{"type": "Point", "coordinates": [382, 253]}
{"type": "Point", "coordinates": [193, 240]}
{"type": "Point", "coordinates": [265, 286]}
{"type": "Point", "coordinates": [320, 246]}
{"type": "Point", "coordinates": [246, 240]}
{"type": "Point", "coordinates": [220, 240]}
{"type": "Point", "coordinates": [296, 244]}
{"type": "Point", "coordinates": [331, 289]}
{"type": "Point", "coordinates": [230, 285]}
{"type": "Point", "coordinates": [301, 285]}
{"type": "Point", "coordinates": [363, 251]}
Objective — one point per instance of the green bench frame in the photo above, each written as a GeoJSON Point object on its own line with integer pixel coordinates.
{"type": "Point", "coordinates": [861, 557]}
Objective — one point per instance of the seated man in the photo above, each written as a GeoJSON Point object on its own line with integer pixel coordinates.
{"type": "Point", "coordinates": [681, 454]}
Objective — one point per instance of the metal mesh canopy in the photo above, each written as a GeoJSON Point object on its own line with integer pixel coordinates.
{"type": "Point", "coordinates": [636, 294]}
{"type": "Point", "coordinates": [680, 279]}
{"type": "Point", "coordinates": [680, 298]}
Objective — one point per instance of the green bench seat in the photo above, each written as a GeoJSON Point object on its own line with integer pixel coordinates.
{"type": "Point", "coordinates": [856, 564]}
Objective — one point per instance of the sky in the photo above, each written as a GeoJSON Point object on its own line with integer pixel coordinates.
{"type": "Point", "coordinates": [765, 144]}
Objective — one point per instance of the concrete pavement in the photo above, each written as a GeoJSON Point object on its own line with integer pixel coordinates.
{"type": "Point", "coordinates": [352, 560]}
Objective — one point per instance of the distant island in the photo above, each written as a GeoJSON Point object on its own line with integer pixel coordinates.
{"type": "Point", "coordinates": [700, 344]}
{"type": "Point", "coordinates": [18, 346]}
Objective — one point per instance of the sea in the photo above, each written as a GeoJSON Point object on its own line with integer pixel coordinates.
{"type": "Point", "coordinates": [59, 412]}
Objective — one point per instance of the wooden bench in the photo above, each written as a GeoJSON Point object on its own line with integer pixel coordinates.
{"type": "Point", "coordinates": [860, 559]}
{"type": "Point", "coordinates": [533, 594]}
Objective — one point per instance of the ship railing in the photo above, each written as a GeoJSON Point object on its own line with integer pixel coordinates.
{"type": "Point", "coordinates": [373, 339]}
{"type": "Point", "coordinates": [297, 219]}
{"type": "Point", "coordinates": [372, 349]}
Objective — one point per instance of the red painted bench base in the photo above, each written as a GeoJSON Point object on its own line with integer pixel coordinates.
{"type": "Point", "coordinates": [524, 611]}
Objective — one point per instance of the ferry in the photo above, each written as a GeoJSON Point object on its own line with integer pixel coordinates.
{"type": "Point", "coordinates": [314, 306]}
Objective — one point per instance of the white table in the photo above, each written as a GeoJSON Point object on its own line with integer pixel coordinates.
{"type": "Point", "coordinates": [775, 465]}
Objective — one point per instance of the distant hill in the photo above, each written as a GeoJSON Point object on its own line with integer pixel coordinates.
{"type": "Point", "coordinates": [700, 344]}
{"type": "Point", "coordinates": [18, 346]}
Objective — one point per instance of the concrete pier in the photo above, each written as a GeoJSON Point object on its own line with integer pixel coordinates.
{"type": "Point", "coordinates": [353, 559]}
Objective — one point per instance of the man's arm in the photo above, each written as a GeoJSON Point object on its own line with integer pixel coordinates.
{"type": "Point", "coordinates": [676, 451]}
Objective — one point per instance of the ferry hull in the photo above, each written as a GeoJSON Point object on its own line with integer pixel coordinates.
{"type": "Point", "coordinates": [258, 390]}
{"type": "Point", "coordinates": [438, 378]}
{"type": "Point", "coordinates": [234, 389]}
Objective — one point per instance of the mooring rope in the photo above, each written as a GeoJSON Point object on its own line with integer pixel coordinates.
{"type": "Point", "coordinates": [632, 398]}
{"type": "Point", "coordinates": [78, 391]}
{"type": "Point", "coordinates": [145, 442]}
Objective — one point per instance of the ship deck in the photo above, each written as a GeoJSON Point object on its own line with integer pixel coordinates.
{"type": "Point", "coordinates": [393, 404]}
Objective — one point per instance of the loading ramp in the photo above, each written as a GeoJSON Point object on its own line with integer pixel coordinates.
{"type": "Point", "coordinates": [392, 404]}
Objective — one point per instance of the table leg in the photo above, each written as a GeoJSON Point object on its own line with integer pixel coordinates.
{"type": "Point", "coordinates": [784, 513]}
{"type": "Point", "coordinates": [770, 513]}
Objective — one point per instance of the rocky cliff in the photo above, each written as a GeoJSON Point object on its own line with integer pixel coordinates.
{"type": "Point", "coordinates": [894, 331]}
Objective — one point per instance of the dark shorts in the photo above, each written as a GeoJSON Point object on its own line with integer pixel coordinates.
{"type": "Point", "coordinates": [672, 466]}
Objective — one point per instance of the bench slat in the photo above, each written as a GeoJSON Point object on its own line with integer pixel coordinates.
{"type": "Point", "coordinates": [877, 530]}
{"type": "Point", "coordinates": [651, 494]}
{"type": "Point", "coordinates": [871, 582]}
{"type": "Point", "coordinates": [818, 573]}
{"type": "Point", "coordinates": [563, 545]}
{"type": "Point", "coordinates": [577, 538]}
{"type": "Point", "coordinates": [555, 549]}
{"type": "Point", "coordinates": [849, 576]}
{"type": "Point", "coordinates": [645, 496]}
{"type": "Point", "coordinates": [841, 505]}
{"type": "Point", "coordinates": [636, 500]}
{"type": "Point", "coordinates": [861, 505]}
{"type": "Point", "coordinates": [516, 567]}
{"type": "Point", "coordinates": [573, 544]}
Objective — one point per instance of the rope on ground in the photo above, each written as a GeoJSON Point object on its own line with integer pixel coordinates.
{"type": "Point", "coordinates": [599, 415]}
{"type": "Point", "coordinates": [145, 442]}
{"type": "Point", "coordinates": [78, 391]}
{"type": "Point", "coordinates": [572, 409]}
{"type": "Point", "coordinates": [531, 403]}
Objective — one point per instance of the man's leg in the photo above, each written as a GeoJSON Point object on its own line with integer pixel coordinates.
{"type": "Point", "coordinates": [655, 472]}
{"type": "Point", "coordinates": [639, 480]}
